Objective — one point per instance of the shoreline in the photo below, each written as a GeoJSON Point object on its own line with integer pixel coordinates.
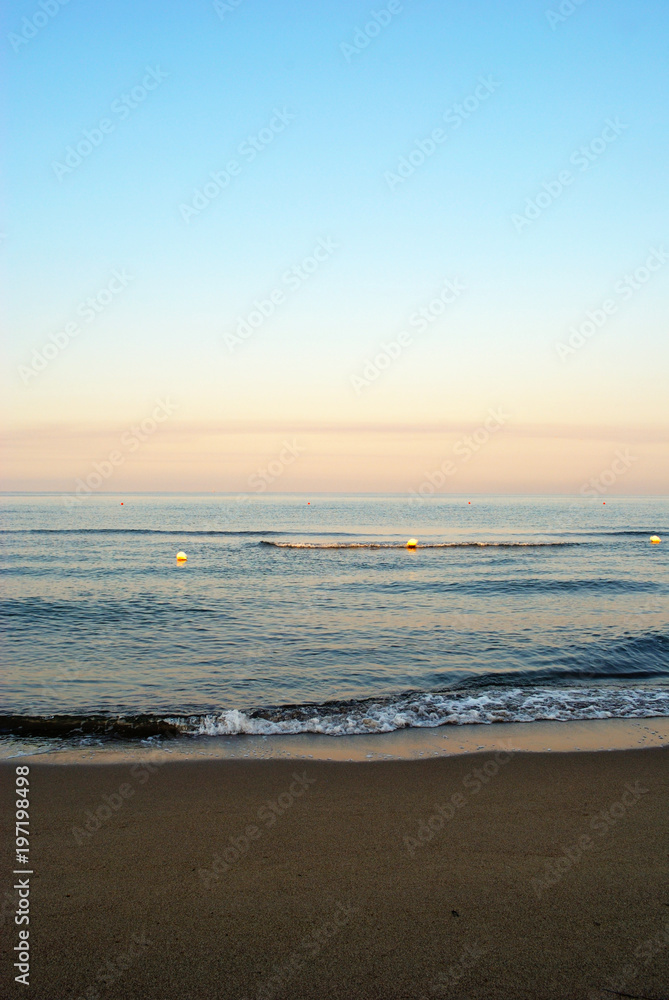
{"type": "Point", "coordinates": [495, 875]}
{"type": "Point", "coordinates": [403, 744]}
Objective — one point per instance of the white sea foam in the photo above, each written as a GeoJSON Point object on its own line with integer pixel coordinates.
{"type": "Point", "coordinates": [438, 709]}
{"type": "Point", "coordinates": [421, 545]}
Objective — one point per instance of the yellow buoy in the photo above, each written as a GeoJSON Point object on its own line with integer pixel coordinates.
{"type": "Point", "coordinates": [181, 557]}
{"type": "Point", "coordinates": [412, 543]}
{"type": "Point", "coordinates": [655, 539]}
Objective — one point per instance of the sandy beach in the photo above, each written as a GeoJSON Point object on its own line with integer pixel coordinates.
{"type": "Point", "coordinates": [479, 876]}
{"type": "Point", "coordinates": [334, 502]}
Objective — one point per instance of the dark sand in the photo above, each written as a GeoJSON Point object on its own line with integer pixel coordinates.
{"type": "Point", "coordinates": [328, 902]}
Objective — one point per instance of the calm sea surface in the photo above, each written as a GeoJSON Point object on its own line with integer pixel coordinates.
{"type": "Point", "coordinates": [313, 617]}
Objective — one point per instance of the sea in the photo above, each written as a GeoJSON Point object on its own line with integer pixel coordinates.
{"type": "Point", "coordinates": [308, 614]}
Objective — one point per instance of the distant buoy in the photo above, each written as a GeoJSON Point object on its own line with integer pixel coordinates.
{"type": "Point", "coordinates": [469, 501]}
{"type": "Point", "coordinates": [604, 502]}
{"type": "Point", "coordinates": [655, 539]}
{"type": "Point", "coordinates": [121, 503]}
{"type": "Point", "coordinates": [412, 543]}
{"type": "Point", "coordinates": [181, 557]}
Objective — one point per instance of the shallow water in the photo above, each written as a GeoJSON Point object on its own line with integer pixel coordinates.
{"type": "Point", "coordinates": [290, 618]}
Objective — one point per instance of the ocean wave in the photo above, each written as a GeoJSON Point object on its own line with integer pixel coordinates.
{"type": "Point", "coordinates": [421, 545]}
{"type": "Point", "coordinates": [417, 710]}
{"type": "Point", "coordinates": [430, 710]}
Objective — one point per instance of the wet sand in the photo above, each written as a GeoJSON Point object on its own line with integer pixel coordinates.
{"type": "Point", "coordinates": [494, 875]}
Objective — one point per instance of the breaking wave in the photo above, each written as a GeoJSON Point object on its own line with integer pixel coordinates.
{"type": "Point", "coordinates": [426, 545]}
{"type": "Point", "coordinates": [482, 706]}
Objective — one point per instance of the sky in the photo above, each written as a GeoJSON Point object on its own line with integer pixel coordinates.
{"type": "Point", "coordinates": [335, 247]}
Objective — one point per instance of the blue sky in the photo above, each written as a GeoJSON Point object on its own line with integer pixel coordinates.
{"type": "Point", "coordinates": [353, 116]}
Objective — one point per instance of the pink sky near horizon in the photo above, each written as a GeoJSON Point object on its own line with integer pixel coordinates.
{"type": "Point", "coordinates": [495, 455]}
